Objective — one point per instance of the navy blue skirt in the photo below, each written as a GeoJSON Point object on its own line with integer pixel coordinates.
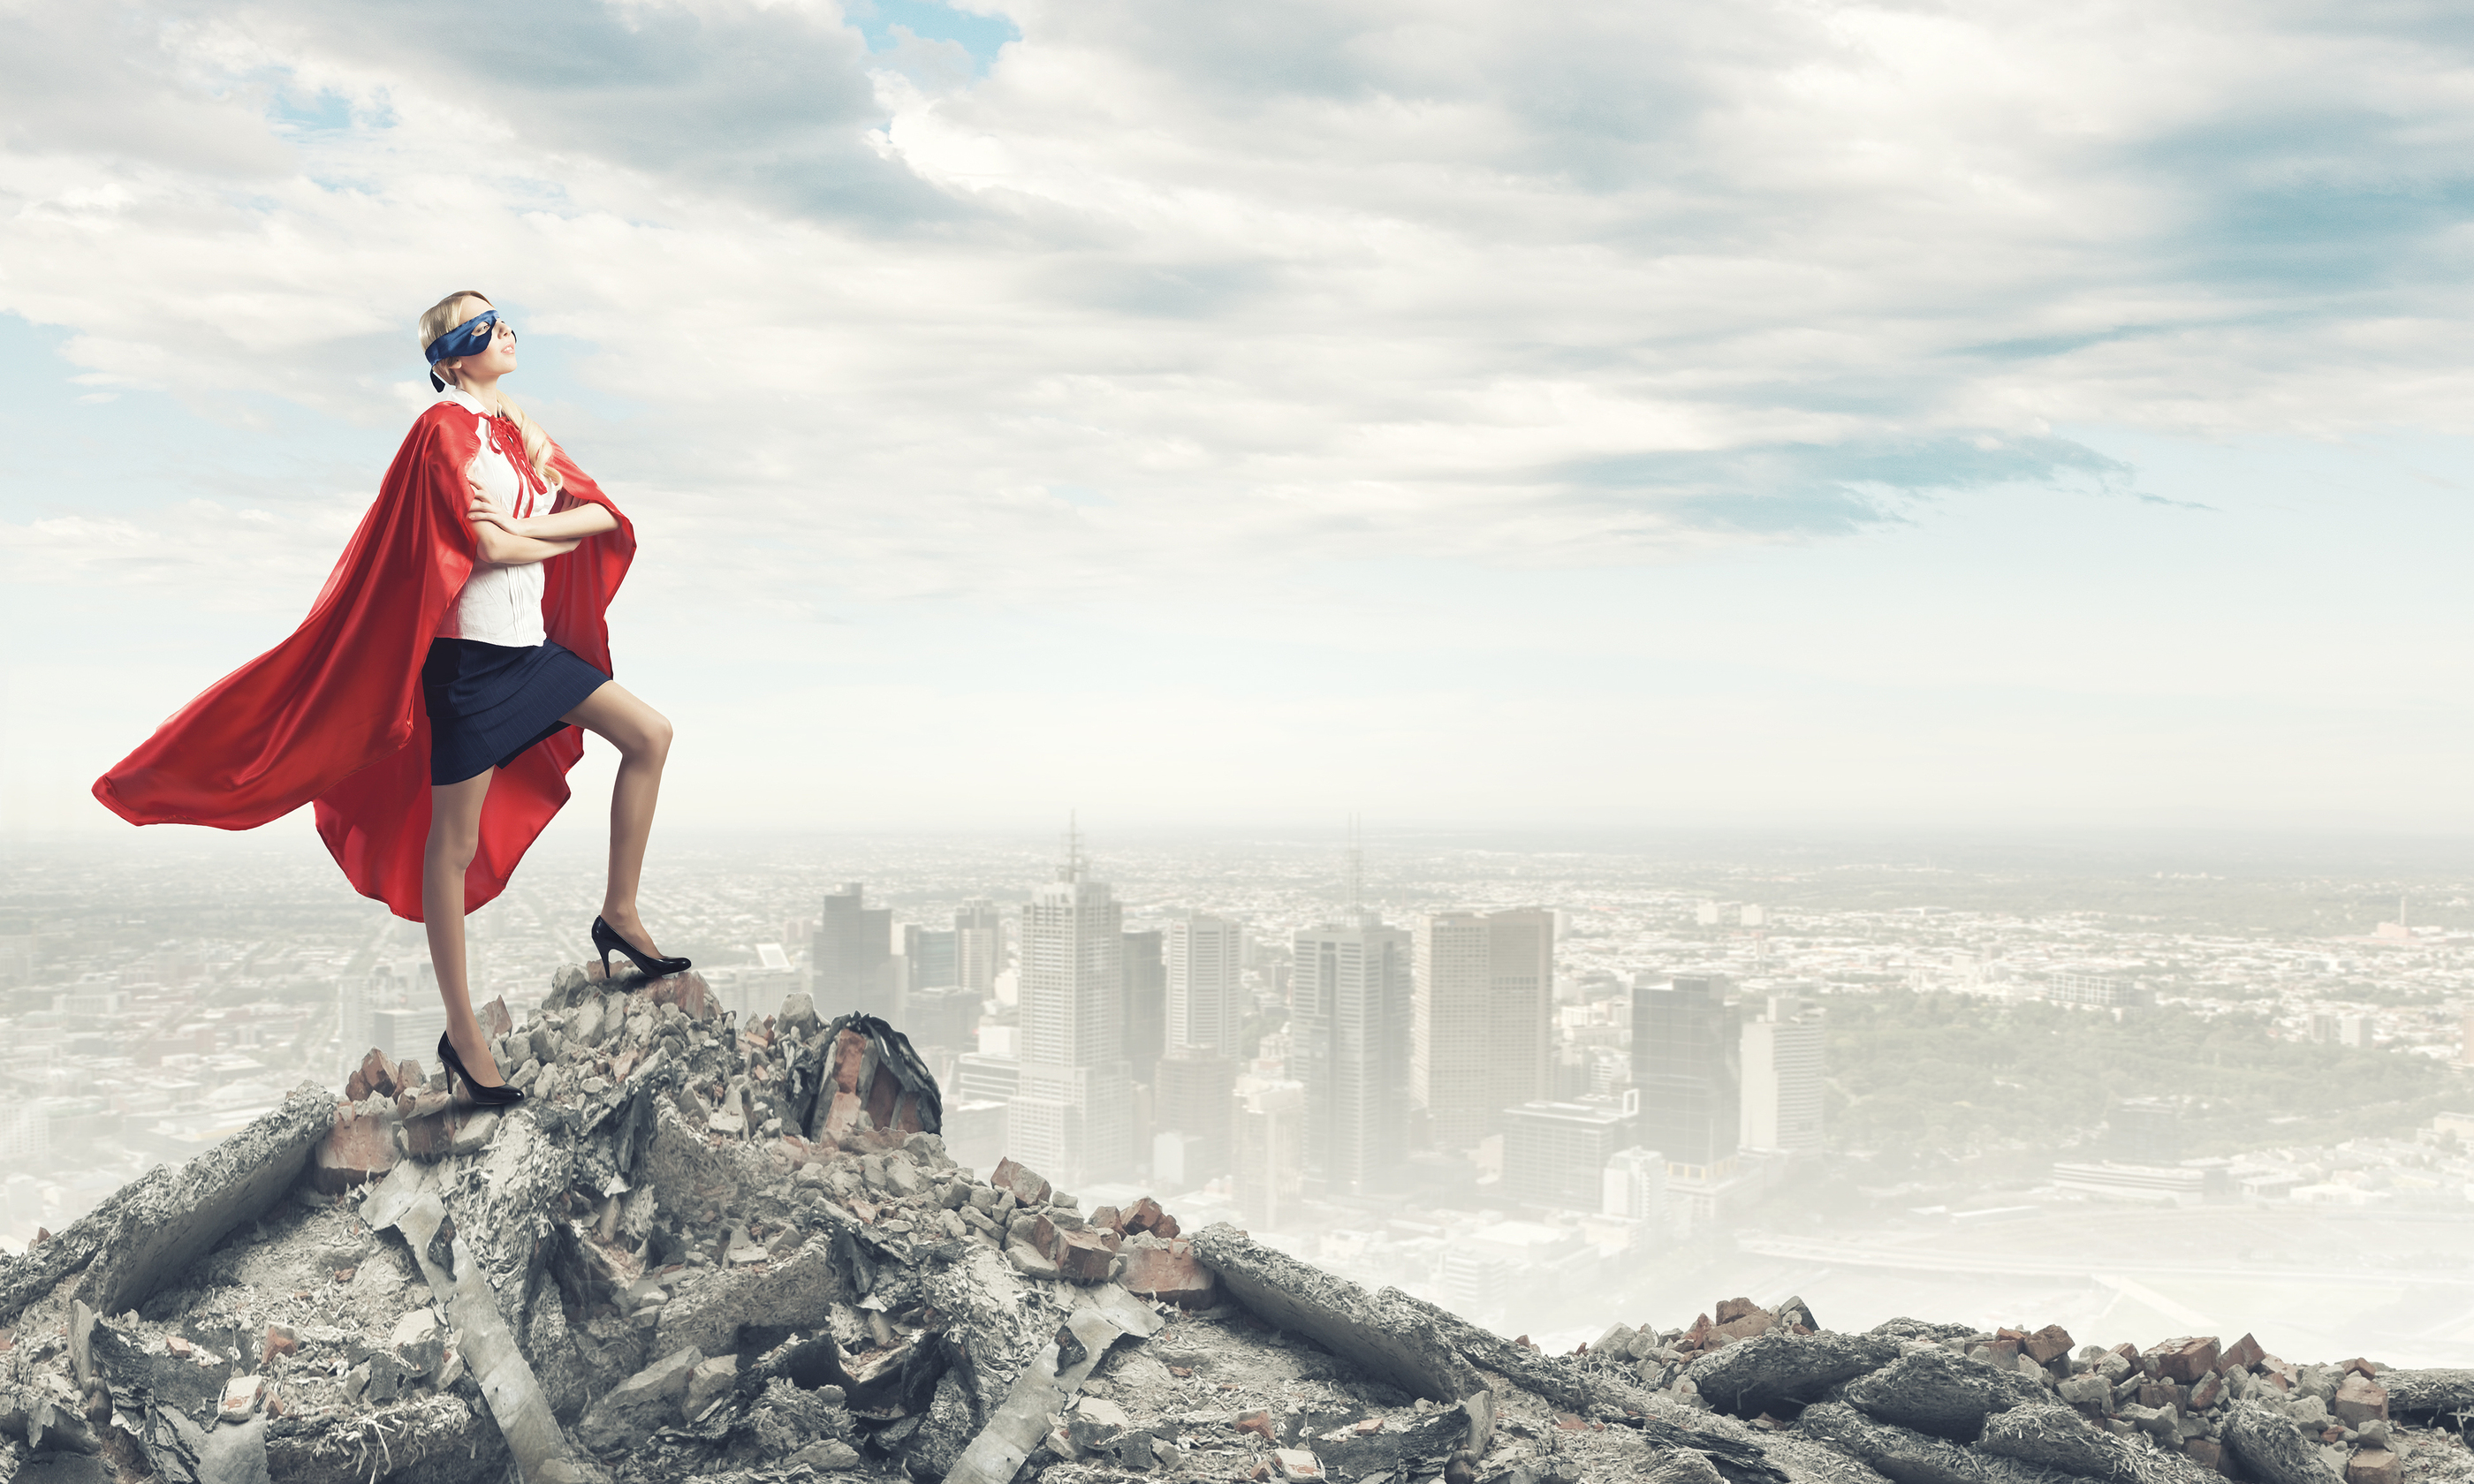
{"type": "Point", "coordinates": [489, 702]}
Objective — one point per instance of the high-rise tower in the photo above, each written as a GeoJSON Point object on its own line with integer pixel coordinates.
{"type": "Point", "coordinates": [1782, 1070]}
{"type": "Point", "coordinates": [1349, 1023]}
{"type": "Point", "coordinates": [1685, 1062]}
{"type": "Point", "coordinates": [1482, 1037]}
{"type": "Point", "coordinates": [979, 946]}
{"type": "Point", "coordinates": [1207, 984]}
{"type": "Point", "coordinates": [852, 956]}
{"type": "Point", "coordinates": [1069, 1119]}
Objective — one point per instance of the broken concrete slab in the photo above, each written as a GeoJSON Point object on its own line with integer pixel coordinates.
{"type": "Point", "coordinates": [2054, 1436]}
{"type": "Point", "coordinates": [1932, 1390]}
{"type": "Point", "coordinates": [1043, 1387]}
{"type": "Point", "coordinates": [652, 1397]}
{"type": "Point", "coordinates": [1776, 1371]}
{"type": "Point", "coordinates": [2263, 1440]}
{"type": "Point", "coordinates": [155, 1228]}
{"type": "Point", "coordinates": [2426, 1393]}
{"type": "Point", "coordinates": [1387, 1333]}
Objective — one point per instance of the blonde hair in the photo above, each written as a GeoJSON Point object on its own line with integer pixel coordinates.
{"type": "Point", "coordinates": [440, 318]}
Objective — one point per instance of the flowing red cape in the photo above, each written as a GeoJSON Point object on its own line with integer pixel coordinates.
{"type": "Point", "coordinates": [333, 714]}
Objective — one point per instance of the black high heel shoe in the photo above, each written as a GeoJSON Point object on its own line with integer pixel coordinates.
{"type": "Point", "coordinates": [652, 966]}
{"type": "Point", "coordinates": [499, 1096]}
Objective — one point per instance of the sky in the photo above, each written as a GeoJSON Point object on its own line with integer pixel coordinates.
{"type": "Point", "coordinates": [1996, 415]}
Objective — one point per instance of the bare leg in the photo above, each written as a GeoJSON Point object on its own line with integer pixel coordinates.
{"type": "Point", "coordinates": [643, 737]}
{"type": "Point", "coordinates": [454, 834]}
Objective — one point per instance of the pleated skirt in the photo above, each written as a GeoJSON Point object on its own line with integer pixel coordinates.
{"type": "Point", "coordinates": [488, 703]}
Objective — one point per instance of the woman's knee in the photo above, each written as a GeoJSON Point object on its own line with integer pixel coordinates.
{"type": "Point", "coordinates": [653, 738]}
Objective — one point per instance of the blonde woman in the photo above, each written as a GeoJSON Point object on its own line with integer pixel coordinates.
{"type": "Point", "coordinates": [431, 704]}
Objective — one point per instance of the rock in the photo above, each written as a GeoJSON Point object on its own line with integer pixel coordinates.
{"type": "Point", "coordinates": [2240, 1355]}
{"type": "Point", "coordinates": [2264, 1441]}
{"type": "Point", "coordinates": [280, 1340]}
{"type": "Point", "coordinates": [359, 1148]}
{"type": "Point", "coordinates": [474, 1129]}
{"type": "Point", "coordinates": [2056, 1437]}
{"type": "Point", "coordinates": [1089, 1257]}
{"type": "Point", "coordinates": [829, 1456]}
{"type": "Point", "coordinates": [1169, 1273]}
{"type": "Point", "coordinates": [2089, 1389]}
{"type": "Point", "coordinates": [1023, 1184]}
{"type": "Point", "coordinates": [647, 1400]}
{"type": "Point", "coordinates": [241, 1395]}
{"type": "Point", "coordinates": [2374, 1466]}
{"type": "Point", "coordinates": [1030, 1260]}
{"type": "Point", "coordinates": [2359, 1400]}
{"type": "Point", "coordinates": [1776, 1371]}
{"type": "Point", "coordinates": [709, 1379]}
{"type": "Point", "coordinates": [2185, 1361]}
{"type": "Point", "coordinates": [1387, 1333]}
{"type": "Point", "coordinates": [1296, 1465]}
{"type": "Point", "coordinates": [418, 1341]}
{"type": "Point", "coordinates": [2046, 1345]}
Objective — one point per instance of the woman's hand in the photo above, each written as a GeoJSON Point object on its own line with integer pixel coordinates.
{"type": "Point", "coordinates": [485, 510]}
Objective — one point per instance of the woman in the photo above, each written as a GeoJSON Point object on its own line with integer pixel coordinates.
{"type": "Point", "coordinates": [481, 579]}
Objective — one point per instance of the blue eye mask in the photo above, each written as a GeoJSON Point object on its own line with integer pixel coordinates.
{"type": "Point", "coordinates": [470, 338]}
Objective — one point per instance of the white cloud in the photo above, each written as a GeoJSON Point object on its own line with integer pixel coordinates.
{"type": "Point", "coordinates": [1169, 302]}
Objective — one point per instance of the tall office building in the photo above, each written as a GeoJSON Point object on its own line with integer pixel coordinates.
{"type": "Point", "coordinates": [1349, 1028]}
{"type": "Point", "coordinates": [1207, 984]}
{"type": "Point", "coordinates": [1146, 1007]}
{"type": "Point", "coordinates": [1555, 1154]}
{"type": "Point", "coordinates": [1071, 1118]}
{"type": "Point", "coordinates": [933, 964]}
{"type": "Point", "coordinates": [851, 957]}
{"type": "Point", "coordinates": [1269, 1126]}
{"type": "Point", "coordinates": [1193, 1099]}
{"type": "Point", "coordinates": [1481, 1038]}
{"type": "Point", "coordinates": [1634, 1186]}
{"type": "Point", "coordinates": [1782, 1070]}
{"type": "Point", "coordinates": [979, 946]}
{"type": "Point", "coordinates": [1686, 1064]}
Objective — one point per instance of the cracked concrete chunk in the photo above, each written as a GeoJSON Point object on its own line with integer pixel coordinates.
{"type": "Point", "coordinates": [1382, 1332]}
{"type": "Point", "coordinates": [650, 1399]}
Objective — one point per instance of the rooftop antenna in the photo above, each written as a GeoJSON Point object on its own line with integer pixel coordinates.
{"type": "Point", "coordinates": [1356, 866]}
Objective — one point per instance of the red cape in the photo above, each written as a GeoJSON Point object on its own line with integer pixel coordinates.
{"type": "Point", "coordinates": [333, 715]}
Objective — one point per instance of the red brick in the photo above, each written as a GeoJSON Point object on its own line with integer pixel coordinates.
{"type": "Point", "coordinates": [1108, 1216]}
{"type": "Point", "coordinates": [2208, 1393]}
{"type": "Point", "coordinates": [357, 1150]}
{"type": "Point", "coordinates": [279, 1341]}
{"type": "Point", "coordinates": [1743, 1327]}
{"type": "Point", "coordinates": [2160, 1393]}
{"type": "Point", "coordinates": [2048, 1345]}
{"type": "Point", "coordinates": [408, 1076]}
{"type": "Point", "coordinates": [2276, 1380]}
{"type": "Point", "coordinates": [1025, 1183]}
{"type": "Point", "coordinates": [685, 989]}
{"type": "Point", "coordinates": [1166, 1225]}
{"type": "Point", "coordinates": [495, 1019]}
{"type": "Point", "coordinates": [2358, 1400]}
{"type": "Point", "coordinates": [2185, 1361]}
{"type": "Point", "coordinates": [1140, 1215]}
{"type": "Point", "coordinates": [377, 1073]}
{"type": "Point", "coordinates": [427, 1138]}
{"type": "Point", "coordinates": [2374, 1466]}
{"type": "Point", "coordinates": [1170, 1273]}
{"type": "Point", "coordinates": [2244, 1352]}
{"type": "Point", "coordinates": [1087, 1255]}
{"type": "Point", "coordinates": [355, 1087]}
{"type": "Point", "coordinates": [1259, 1424]}
{"type": "Point", "coordinates": [1732, 1310]}
{"type": "Point", "coordinates": [2206, 1453]}
{"type": "Point", "coordinates": [2361, 1367]}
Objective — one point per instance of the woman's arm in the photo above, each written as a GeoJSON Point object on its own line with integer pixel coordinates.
{"type": "Point", "coordinates": [585, 518]}
{"type": "Point", "coordinates": [502, 547]}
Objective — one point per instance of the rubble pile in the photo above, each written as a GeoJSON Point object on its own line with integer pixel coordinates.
{"type": "Point", "coordinates": [704, 1250]}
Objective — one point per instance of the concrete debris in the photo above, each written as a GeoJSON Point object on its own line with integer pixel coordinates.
{"type": "Point", "coordinates": [722, 1253]}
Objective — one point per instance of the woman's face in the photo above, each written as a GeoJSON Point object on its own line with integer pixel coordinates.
{"type": "Point", "coordinates": [490, 364]}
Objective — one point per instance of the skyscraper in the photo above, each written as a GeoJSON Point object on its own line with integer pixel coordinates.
{"type": "Point", "coordinates": [851, 957]}
{"type": "Point", "coordinates": [1555, 1154]}
{"type": "Point", "coordinates": [1146, 1008]}
{"type": "Point", "coordinates": [933, 963]}
{"type": "Point", "coordinates": [1193, 1100]}
{"type": "Point", "coordinates": [1269, 1129]}
{"type": "Point", "coordinates": [979, 946]}
{"type": "Point", "coordinates": [1482, 1035]}
{"type": "Point", "coordinates": [1782, 1068]}
{"type": "Point", "coordinates": [1070, 1119]}
{"type": "Point", "coordinates": [1685, 1062]}
{"type": "Point", "coordinates": [1207, 984]}
{"type": "Point", "coordinates": [1350, 1027]}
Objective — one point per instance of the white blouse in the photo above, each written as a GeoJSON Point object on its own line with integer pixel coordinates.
{"type": "Point", "coordinates": [499, 605]}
